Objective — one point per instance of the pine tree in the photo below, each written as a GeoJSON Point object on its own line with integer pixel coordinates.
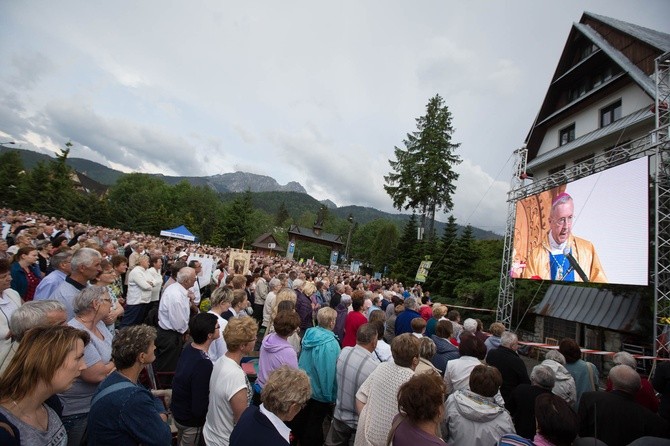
{"type": "Point", "coordinates": [441, 277]}
{"type": "Point", "coordinates": [384, 245]}
{"type": "Point", "coordinates": [236, 230]}
{"type": "Point", "coordinates": [11, 179]}
{"type": "Point", "coordinates": [422, 177]}
{"type": "Point", "coordinates": [407, 253]}
{"type": "Point", "coordinates": [282, 215]}
{"type": "Point", "coordinates": [466, 254]}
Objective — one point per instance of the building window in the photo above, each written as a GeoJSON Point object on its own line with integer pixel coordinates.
{"type": "Point", "coordinates": [610, 113]}
{"type": "Point", "coordinates": [566, 135]}
{"type": "Point", "coordinates": [556, 169]}
{"type": "Point", "coordinates": [587, 50]}
{"type": "Point", "coordinates": [584, 166]}
{"type": "Point", "coordinates": [579, 90]}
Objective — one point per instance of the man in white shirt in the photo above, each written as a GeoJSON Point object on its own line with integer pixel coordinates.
{"type": "Point", "coordinates": [173, 317]}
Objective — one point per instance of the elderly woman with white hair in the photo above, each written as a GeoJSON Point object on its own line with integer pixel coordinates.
{"type": "Point", "coordinates": [274, 285]}
{"type": "Point", "coordinates": [564, 385]}
{"type": "Point", "coordinates": [285, 393]}
{"type": "Point", "coordinates": [521, 403]}
{"type": "Point", "coordinates": [91, 306]}
{"type": "Point", "coordinates": [646, 396]}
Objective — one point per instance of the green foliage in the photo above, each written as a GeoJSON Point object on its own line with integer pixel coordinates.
{"type": "Point", "coordinates": [282, 214]}
{"type": "Point", "coordinates": [422, 176]}
{"type": "Point", "coordinates": [236, 224]}
{"type": "Point", "coordinates": [384, 246]}
{"type": "Point", "coordinates": [441, 276]}
{"type": "Point", "coordinates": [135, 203]}
{"type": "Point", "coordinates": [408, 253]}
{"type": "Point", "coordinates": [11, 179]}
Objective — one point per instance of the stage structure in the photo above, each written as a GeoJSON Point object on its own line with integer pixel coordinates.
{"type": "Point", "coordinates": [654, 145]}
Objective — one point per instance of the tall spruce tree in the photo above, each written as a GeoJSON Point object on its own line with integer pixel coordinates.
{"type": "Point", "coordinates": [282, 214]}
{"type": "Point", "coordinates": [441, 276]}
{"type": "Point", "coordinates": [407, 252]}
{"type": "Point", "coordinates": [422, 177]}
{"type": "Point", "coordinates": [11, 179]}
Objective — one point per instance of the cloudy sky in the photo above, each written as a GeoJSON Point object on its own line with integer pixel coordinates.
{"type": "Point", "coordinates": [309, 91]}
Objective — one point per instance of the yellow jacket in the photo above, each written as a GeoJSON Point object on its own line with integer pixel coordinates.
{"type": "Point", "coordinates": [582, 250]}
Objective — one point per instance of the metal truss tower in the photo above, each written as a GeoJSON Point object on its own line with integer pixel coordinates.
{"type": "Point", "coordinates": [661, 272]}
{"type": "Point", "coordinates": [506, 288]}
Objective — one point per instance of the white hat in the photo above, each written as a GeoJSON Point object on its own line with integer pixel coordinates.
{"type": "Point", "coordinates": [182, 254]}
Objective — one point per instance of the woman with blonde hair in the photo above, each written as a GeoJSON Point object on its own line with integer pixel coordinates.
{"type": "Point", "coordinates": [221, 299]}
{"type": "Point", "coordinates": [230, 391]}
{"type": "Point", "coordinates": [285, 301]}
{"type": "Point", "coordinates": [140, 284]}
{"type": "Point", "coordinates": [282, 295]}
{"type": "Point", "coordinates": [427, 350]}
{"type": "Point", "coordinates": [309, 290]}
{"type": "Point", "coordinates": [47, 361]}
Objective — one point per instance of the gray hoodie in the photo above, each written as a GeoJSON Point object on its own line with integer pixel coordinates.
{"type": "Point", "coordinates": [565, 383]}
{"type": "Point", "coordinates": [476, 420]}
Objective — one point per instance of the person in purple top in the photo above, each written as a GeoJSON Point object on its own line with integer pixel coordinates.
{"type": "Point", "coordinates": [276, 351]}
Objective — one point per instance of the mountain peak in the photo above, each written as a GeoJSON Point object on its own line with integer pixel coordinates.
{"type": "Point", "coordinates": [243, 181]}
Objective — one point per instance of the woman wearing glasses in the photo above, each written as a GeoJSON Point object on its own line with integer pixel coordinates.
{"type": "Point", "coordinates": [106, 279]}
{"type": "Point", "coordinates": [91, 306]}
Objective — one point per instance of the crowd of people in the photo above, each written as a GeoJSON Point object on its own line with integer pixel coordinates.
{"type": "Point", "coordinates": [280, 353]}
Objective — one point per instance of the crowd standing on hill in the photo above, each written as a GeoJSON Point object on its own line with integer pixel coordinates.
{"type": "Point", "coordinates": [281, 353]}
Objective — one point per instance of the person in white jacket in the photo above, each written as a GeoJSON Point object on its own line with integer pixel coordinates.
{"type": "Point", "coordinates": [564, 385]}
{"type": "Point", "coordinates": [154, 275]}
{"type": "Point", "coordinates": [140, 284]}
{"type": "Point", "coordinates": [473, 416]}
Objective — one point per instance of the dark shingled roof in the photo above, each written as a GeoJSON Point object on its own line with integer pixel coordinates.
{"type": "Point", "coordinates": [262, 241]}
{"type": "Point", "coordinates": [308, 233]}
{"type": "Point", "coordinates": [597, 307]}
{"type": "Point", "coordinates": [657, 39]}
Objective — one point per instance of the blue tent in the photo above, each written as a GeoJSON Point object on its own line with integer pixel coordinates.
{"type": "Point", "coordinates": [179, 232]}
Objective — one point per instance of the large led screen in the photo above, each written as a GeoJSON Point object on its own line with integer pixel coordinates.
{"type": "Point", "coordinates": [594, 229]}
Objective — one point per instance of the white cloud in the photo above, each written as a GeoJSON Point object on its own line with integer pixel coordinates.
{"type": "Point", "coordinates": [480, 199]}
{"type": "Point", "coordinates": [302, 91]}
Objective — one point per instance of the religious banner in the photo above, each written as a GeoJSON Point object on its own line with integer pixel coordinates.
{"type": "Point", "coordinates": [422, 272]}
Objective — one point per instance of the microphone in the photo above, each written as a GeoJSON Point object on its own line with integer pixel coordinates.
{"type": "Point", "coordinates": [573, 262]}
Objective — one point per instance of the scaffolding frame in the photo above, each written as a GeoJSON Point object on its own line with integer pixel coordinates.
{"type": "Point", "coordinates": [657, 144]}
{"type": "Point", "coordinates": [661, 273]}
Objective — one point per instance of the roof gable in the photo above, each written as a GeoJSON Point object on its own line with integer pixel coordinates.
{"type": "Point", "coordinates": [657, 39]}
{"type": "Point", "coordinates": [624, 52]}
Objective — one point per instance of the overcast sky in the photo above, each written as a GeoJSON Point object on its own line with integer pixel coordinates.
{"type": "Point", "coordinates": [309, 91]}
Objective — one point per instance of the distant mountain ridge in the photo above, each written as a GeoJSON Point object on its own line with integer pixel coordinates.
{"type": "Point", "coordinates": [268, 193]}
{"type": "Point", "coordinates": [226, 182]}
